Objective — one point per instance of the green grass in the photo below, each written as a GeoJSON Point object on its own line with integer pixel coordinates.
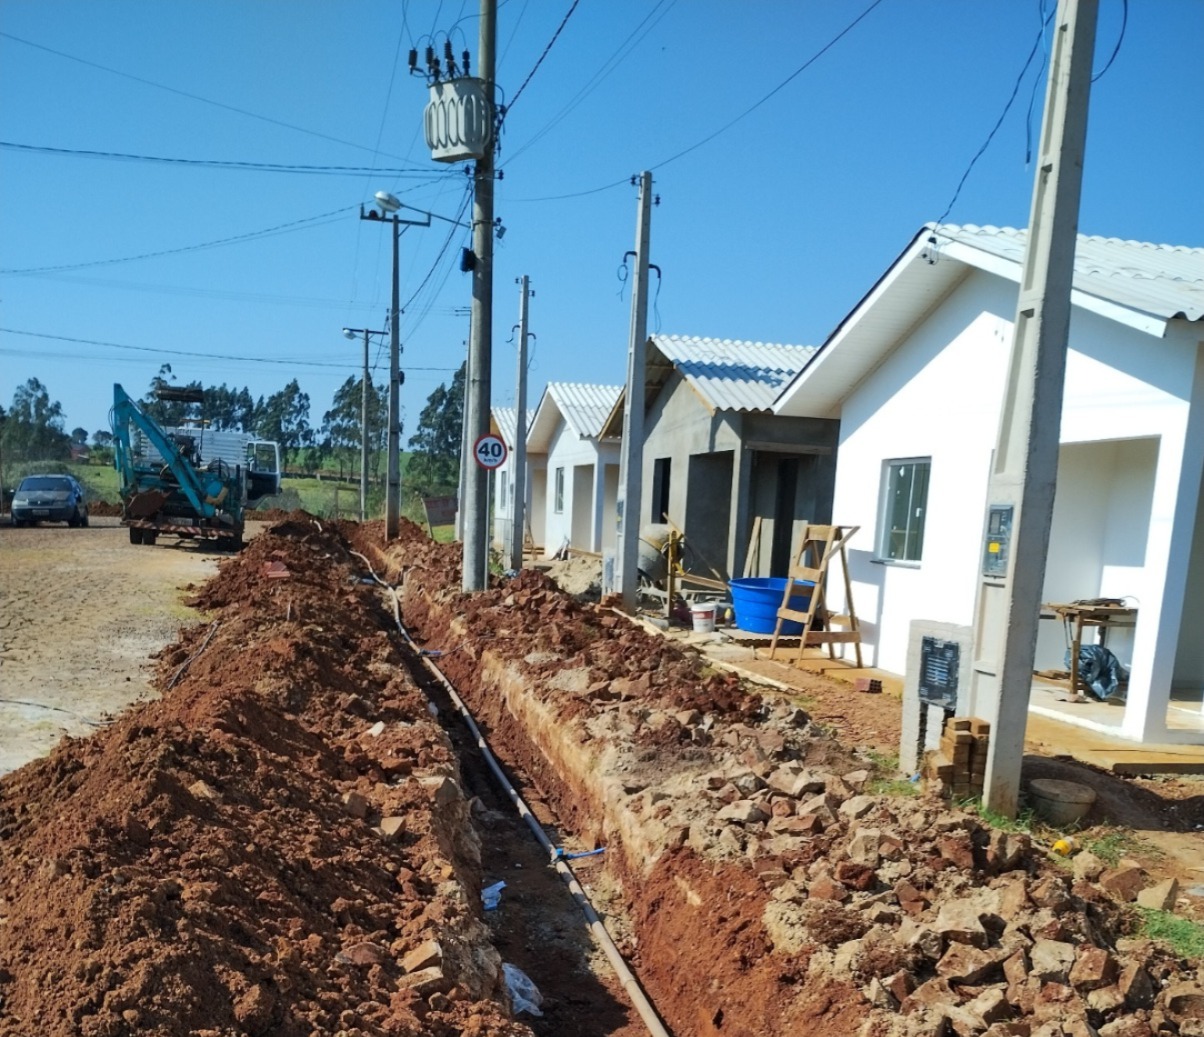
{"type": "Point", "coordinates": [884, 776]}
{"type": "Point", "coordinates": [1184, 937]}
{"type": "Point", "coordinates": [100, 481]}
{"type": "Point", "coordinates": [1118, 843]}
{"type": "Point", "coordinates": [1025, 821]}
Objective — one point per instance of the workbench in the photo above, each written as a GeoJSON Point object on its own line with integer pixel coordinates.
{"type": "Point", "coordinates": [1077, 616]}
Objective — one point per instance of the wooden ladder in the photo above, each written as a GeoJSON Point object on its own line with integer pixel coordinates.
{"type": "Point", "coordinates": [820, 544]}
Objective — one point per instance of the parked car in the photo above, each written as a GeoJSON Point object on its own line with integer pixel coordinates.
{"type": "Point", "coordinates": [49, 498]}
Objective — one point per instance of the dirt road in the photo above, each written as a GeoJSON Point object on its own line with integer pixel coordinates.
{"type": "Point", "coordinates": [81, 610]}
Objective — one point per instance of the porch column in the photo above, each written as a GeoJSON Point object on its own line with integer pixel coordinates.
{"type": "Point", "coordinates": [598, 489]}
{"type": "Point", "coordinates": [1168, 549]}
{"type": "Point", "coordinates": [739, 523]}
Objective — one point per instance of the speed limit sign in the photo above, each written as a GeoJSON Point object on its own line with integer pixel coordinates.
{"type": "Point", "coordinates": [490, 451]}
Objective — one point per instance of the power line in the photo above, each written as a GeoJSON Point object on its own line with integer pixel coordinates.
{"type": "Point", "coordinates": [279, 229]}
{"type": "Point", "coordinates": [728, 125]}
{"type": "Point", "coordinates": [442, 252]}
{"type": "Point", "coordinates": [190, 96]}
{"type": "Point", "coordinates": [998, 122]}
{"type": "Point", "coordinates": [555, 36]}
{"type": "Point", "coordinates": [211, 163]}
{"type": "Point", "coordinates": [292, 361]}
{"type": "Point", "coordinates": [616, 58]}
{"type": "Point", "coordinates": [753, 107]}
{"type": "Point", "coordinates": [1124, 23]}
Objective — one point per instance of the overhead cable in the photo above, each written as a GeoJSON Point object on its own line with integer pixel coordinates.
{"type": "Point", "coordinates": [251, 235]}
{"type": "Point", "coordinates": [555, 36]}
{"type": "Point", "coordinates": [190, 96]}
{"type": "Point", "coordinates": [728, 125]}
{"type": "Point", "coordinates": [998, 122]}
{"type": "Point", "coordinates": [616, 58]}
{"type": "Point", "coordinates": [293, 361]}
{"type": "Point", "coordinates": [212, 163]}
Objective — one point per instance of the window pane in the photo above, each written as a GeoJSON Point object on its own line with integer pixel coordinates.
{"type": "Point", "coordinates": [919, 509]}
{"type": "Point", "coordinates": [904, 510]}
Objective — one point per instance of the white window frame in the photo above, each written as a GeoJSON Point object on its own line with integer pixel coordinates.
{"type": "Point", "coordinates": [558, 492]}
{"type": "Point", "coordinates": [887, 533]}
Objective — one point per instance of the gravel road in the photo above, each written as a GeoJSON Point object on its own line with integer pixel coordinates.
{"type": "Point", "coordinates": [81, 611]}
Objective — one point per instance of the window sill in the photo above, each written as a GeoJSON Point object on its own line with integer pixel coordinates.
{"type": "Point", "coordinates": [895, 563]}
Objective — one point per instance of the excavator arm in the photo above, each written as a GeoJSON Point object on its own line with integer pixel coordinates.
{"type": "Point", "coordinates": [204, 498]}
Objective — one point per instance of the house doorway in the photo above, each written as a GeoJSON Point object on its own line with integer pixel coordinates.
{"type": "Point", "coordinates": [780, 552]}
{"type": "Point", "coordinates": [581, 534]}
{"type": "Point", "coordinates": [709, 513]}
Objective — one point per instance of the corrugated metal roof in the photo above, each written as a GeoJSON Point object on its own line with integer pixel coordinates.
{"type": "Point", "coordinates": [583, 407]}
{"type": "Point", "coordinates": [734, 375]}
{"type": "Point", "coordinates": [1165, 281]}
{"type": "Point", "coordinates": [505, 419]}
{"type": "Point", "coordinates": [1142, 285]}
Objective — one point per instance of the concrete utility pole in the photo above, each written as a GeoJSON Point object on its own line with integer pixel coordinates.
{"type": "Point", "coordinates": [480, 350]}
{"type": "Point", "coordinates": [393, 484]}
{"type": "Point", "coordinates": [351, 334]}
{"type": "Point", "coordinates": [631, 457]}
{"type": "Point", "coordinates": [520, 433]}
{"type": "Point", "coordinates": [364, 435]}
{"type": "Point", "coordinates": [1025, 470]}
{"type": "Point", "coordinates": [389, 207]}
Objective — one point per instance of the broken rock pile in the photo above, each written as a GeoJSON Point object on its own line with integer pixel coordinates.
{"type": "Point", "coordinates": [278, 846]}
{"type": "Point", "coordinates": [771, 889]}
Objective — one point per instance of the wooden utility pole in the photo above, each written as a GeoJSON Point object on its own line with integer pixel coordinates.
{"type": "Point", "coordinates": [631, 457]}
{"type": "Point", "coordinates": [519, 511]}
{"type": "Point", "coordinates": [1025, 468]}
{"type": "Point", "coordinates": [480, 351]}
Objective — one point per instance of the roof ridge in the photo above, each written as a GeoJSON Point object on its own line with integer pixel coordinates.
{"type": "Point", "coordinates": [953, 229]}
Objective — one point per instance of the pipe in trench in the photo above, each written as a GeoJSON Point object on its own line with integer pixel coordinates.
{"type": "Point", "coordinates": [635, 992]}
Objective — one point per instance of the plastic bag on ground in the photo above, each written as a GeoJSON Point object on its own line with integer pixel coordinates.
{"type": "Point", "coordinates": [524, 994]}
{"type": "Point", "coordinates": [491, 896]}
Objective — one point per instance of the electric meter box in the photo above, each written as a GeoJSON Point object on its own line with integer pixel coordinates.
{"type": "Point", "coordinates": [459, 120]}
{"type": "Point", "coordinates": [998, 544]}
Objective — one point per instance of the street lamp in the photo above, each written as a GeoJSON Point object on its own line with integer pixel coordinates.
{"type": "Point", "coordinates": [389, 207]}
{"type": "Point", "coordinates": [352, 333]}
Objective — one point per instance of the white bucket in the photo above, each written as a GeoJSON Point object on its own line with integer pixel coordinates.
{"type": "Point", "coordinates": [704, 617]}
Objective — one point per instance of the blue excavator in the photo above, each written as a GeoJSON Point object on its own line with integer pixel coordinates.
{"type": "Point", "coordinates": [166, 486]}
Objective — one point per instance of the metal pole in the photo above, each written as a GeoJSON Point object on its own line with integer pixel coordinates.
{"type": "Point", "coordinates": [1025, 469]}
{"type": "Point", "coordinates": [393, 486]}
{"type": "Point", "coordinates": [364, 437]}
{"type": "Point", "coordinates": [476, 503]}
{"type": "Point", "coordinates": [631, 457]}
{"type": "Point", "coordinates": [518, 512]}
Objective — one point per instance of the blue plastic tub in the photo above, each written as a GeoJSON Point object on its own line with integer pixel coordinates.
{"type": "Point", "coordinates": [756, 600]}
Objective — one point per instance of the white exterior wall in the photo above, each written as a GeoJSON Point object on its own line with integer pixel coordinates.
{"type": "Point", "coordinates": [931, 397]}
{"type": "Point", "coordinates": [1119, 519]}
{"type": "Point", "coordinates": [570, 452]}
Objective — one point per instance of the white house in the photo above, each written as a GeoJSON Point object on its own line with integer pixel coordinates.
{"type": "Point", "coordinates": [503, 421]}
{"type": "Point", "coordinates": [574, 471]}
{"type": "Point", "coordinates": [915, 374]}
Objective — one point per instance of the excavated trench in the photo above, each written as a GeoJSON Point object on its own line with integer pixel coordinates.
{"type": "Point", "coordinates": [585, 744]}
{"type": "Point", "coordinates": [294, 840]}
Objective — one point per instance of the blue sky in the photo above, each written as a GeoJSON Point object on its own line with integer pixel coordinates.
{"type": "Point", "coordinates": [770, 231]}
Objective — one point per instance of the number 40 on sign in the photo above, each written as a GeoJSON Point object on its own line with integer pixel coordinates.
{"type": "Point", "coordinates": [490, 451]}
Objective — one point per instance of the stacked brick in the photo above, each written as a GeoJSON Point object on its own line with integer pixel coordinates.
{"type": "Point", "coordinates": [960, 764]}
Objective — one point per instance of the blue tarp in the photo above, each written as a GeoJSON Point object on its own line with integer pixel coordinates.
{"type": "Point", "coordinates": [1101, 671]}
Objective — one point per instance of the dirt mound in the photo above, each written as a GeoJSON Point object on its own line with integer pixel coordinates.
{"type": "Point", "coordinates": [104, 509]}
{"type": "Point", "coordinates": [278, 846]}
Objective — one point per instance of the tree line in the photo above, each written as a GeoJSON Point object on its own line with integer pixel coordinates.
{"type": "Point", "coordinates": [33, 427]}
